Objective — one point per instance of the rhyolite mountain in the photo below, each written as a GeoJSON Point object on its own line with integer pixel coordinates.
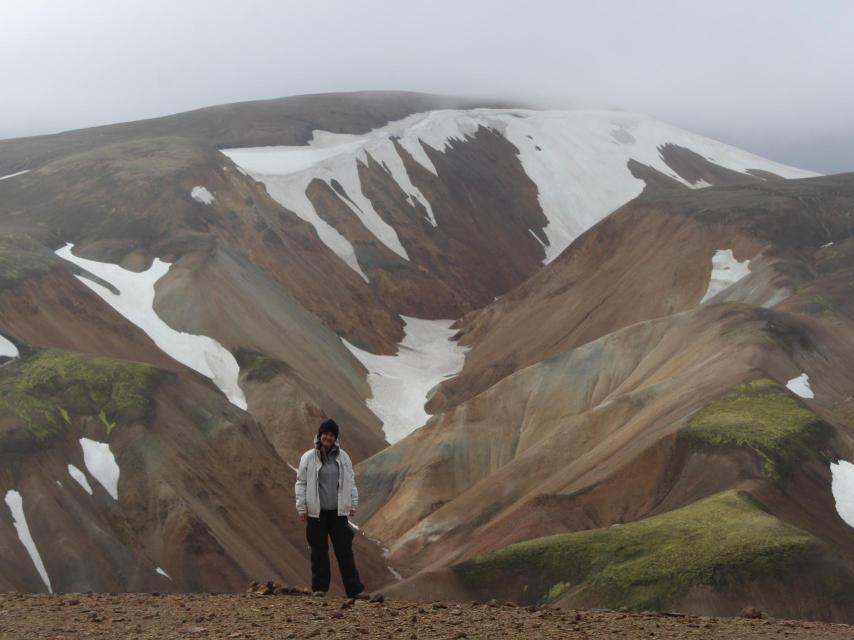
{"type": "Point", "coordinates": [183, 299]}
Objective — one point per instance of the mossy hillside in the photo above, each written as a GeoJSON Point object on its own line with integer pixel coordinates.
{"type": "Point", "coordinates": [44, 391]}
{"type": "Point", "coordinates": [649, 563]}
{"type": "Point", "coordinates": [22, 257]}
{"type": "Point", "coordinates": [764, 417]}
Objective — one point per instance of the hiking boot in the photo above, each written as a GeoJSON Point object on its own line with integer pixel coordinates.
{"type": "Point", "coordinates": [318, 594]}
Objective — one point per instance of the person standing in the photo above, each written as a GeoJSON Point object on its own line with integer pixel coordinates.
{"type": "Point", "coordinates": [326, 496]}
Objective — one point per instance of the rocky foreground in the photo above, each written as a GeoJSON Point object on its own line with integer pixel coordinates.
{"type": "Point", "coordinates": [251, 615]}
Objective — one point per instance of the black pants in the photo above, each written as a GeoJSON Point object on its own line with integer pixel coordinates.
{"type": "Point", "coordinates": [317, 530]}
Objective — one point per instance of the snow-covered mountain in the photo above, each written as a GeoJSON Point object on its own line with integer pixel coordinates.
{"type": "Point", "coordinates": [472, 283]}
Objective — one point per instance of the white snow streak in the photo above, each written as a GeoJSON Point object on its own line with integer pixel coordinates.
{"type": "Point", "coordinates": [842, 486]}
{"type": "Point", "coordinates": [800, 386]}
{"type": "Point", "coordinates": [135, 302]}
{"type": "Point", "coordinates": [7, 348]}
{"type": "Point", "coordinates": [726, 271]}
{"type": "Point", "coordinates": [578, 160]}
{"type": "Point", "coordinates": [80, 477]}
{"type": "Point", "coordinates": [163, 573]}
{"type": "Point", "coordinates": [400, 383]}
{"type": "Point", "coordinates": [16, 506]}
{"type": "Point", "coordinates": [12, 175]}
{"type": "Point", "coordinates": [101, 463]}
{"type": "Point", "coordinates": [201, 194]}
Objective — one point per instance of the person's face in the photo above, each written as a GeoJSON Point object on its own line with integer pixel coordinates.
{"type": "Point", "coordinates": [327, 438]}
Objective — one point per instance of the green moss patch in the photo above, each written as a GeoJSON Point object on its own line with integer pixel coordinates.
{"type": "Point", "coordinates": [21, 258]}
{"type": "Point", "coordinates": [649, 563]}
{"type": "Point", "coordinates": [554, 594]}
{"type": "Point", "coordinates": [257, 366]}
{"type": "Point", "coordinates": [43, 392]}
{"type": "Point", "coordinates": [764, 417]}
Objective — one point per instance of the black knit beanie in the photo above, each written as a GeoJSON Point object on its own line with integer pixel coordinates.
{"type": "Point", "coordinates": [328, 426]}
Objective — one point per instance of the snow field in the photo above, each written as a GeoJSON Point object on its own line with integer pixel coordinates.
{"type": "Point", "coordinates": [80, 477]}
{"type": "Point", "coordinates": [287, 171]}
{"type": "Point", "coordinates": [726, 271]}
{"type": "Point", "coordinates": [135, 302]}
{"type": "Point", "coordinates": [800, 386]}
{"type": "Point", "coordinates": [16, 506]}
{"type": "Point", "coordinates": [842, 486]}
{"type": "Point", "coordinates": [7, 348]}
{"type": "Point", "coordinates": [578, 160]}
{"type": "Point", "coordinates": [101, 464]}
{"type": "Point", "coordinates": [400, 383]}
{"type": "Point", "coordinates": [201, 194]}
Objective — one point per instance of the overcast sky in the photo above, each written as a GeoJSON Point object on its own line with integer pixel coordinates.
{"type": "Point", "coordinates": [774, 77]}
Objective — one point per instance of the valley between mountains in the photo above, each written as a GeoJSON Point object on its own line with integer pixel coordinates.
{"type": "Point", "coordinates": [581, 358]}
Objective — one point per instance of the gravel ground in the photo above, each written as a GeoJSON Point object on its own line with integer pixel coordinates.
{"type": "Point", "coordinates": [131, 615]}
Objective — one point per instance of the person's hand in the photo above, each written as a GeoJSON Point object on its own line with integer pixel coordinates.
{"type": "Point", "coordinates": [352, 512]}
{"type": "Point", "coordinates": [303, 517]}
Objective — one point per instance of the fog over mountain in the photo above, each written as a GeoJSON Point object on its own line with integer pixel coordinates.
{"type": "Point", "coordinates": [765, 77]}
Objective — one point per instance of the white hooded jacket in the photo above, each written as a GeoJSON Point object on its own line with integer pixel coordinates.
{"type": "Point", "coordinates": [307, 491]}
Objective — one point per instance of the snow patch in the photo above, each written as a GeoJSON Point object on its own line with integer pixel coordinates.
{"type": "Point", "coordinates": [135, 302]}
{"type": "Point", "coordinates": [101, 463]}
{"type": "Point", "coordinates": [400, 383]}
{"type": "Point", "coordinates": [842, 486]}
{"type": "Point", "coordinates": [287, 171]}
{"type": "Point", "coordinates": [16, 506]}
{"type": "Point", "coordinates": [80, 477]}
{"type": "Point", "coordinates": [578, 160]}
{"type": "Point", "coordinates": [800, 386]}
{"type": "Point", "coordinates": [7, 348]}
{"type": "Point", "coordinates": [12, 175]}
{"type": "Point", "coordinates": [201, 194]}
{"type": "Point", "coordinates": [726, 271]}
{"type": "Point", "coordinates": [829, 244]}
{"type": "Point", "coordinates": [163, 573]}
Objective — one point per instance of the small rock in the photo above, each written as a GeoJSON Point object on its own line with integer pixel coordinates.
{"type": "Point", "coordinates": [752, 613]}
{"type": "Point", "coordinates": [493, 603]}
{"type": "Point", "coordinates": [313, 633]}
{"type": "Point", "coordinates": [195, 630]}
{"type": "Point", "coordinates": [378, 597]}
